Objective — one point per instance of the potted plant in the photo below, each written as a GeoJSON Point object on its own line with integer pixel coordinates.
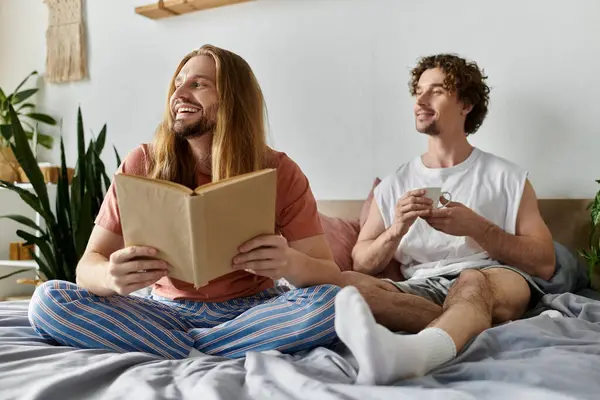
{"type": "Point", "coordinates": [25, 112]}
{"type": "Point", "coordinates": [67, 225]}
{"type": "Point", "coordinates": [592, 254]}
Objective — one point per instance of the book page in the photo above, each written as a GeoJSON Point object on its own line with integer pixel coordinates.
{"type": "Point", "coordinates": [165, 183]}
{"type": "Point", "coordinates": [155, 215]}
{"type": "Point", "coordinates": [229, 181]}
{"type": "Point", "coordinates": [233, 214]}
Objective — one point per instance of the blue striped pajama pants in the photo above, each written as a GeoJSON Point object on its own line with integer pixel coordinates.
{"type": "Point", "coordinates": [276, 318]}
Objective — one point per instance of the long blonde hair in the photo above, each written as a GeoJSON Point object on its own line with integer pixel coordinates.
{"type": "Point", "coordinates": [239, 139]}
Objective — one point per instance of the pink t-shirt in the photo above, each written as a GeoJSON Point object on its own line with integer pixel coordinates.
{"type": "Point", "coordinates": [297, 218]}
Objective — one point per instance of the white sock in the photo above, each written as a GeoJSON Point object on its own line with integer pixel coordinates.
{"type": "Point", "coordinates": [384, 357]}
{"type": "Point", "coordinates": [552, 313]}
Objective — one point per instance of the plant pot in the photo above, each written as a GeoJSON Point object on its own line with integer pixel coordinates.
{"type": "Point", "coordinates": [9, 166]}
{"type": "Point", "coordinates": [36, 282]}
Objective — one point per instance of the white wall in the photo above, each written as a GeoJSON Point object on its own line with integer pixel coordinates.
{"type": "Point", "coordinates": [335, 75]}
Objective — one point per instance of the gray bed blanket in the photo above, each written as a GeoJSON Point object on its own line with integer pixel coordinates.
{"type": "Point", "coordinates": [539, 357]}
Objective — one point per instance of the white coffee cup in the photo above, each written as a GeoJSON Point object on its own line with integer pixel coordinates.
{"type": "Point", "coordinates": [434, 193]}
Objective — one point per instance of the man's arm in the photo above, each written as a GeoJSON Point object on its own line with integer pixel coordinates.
{"type": "Point", "coordinates": [93, 265]}
{"type": "Point", "coordinates": [106, 268]}
{"type": "Point", "coordinates": [312, 263]}
{"type": "Point", "coordinates": [376, 245]}
{"type": "Point", "coordinates": [531, 249]}
{"type": "Point", "coordinates": [305, 262]}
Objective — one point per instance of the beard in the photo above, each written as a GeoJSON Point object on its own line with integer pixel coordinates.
{"type": "Point", "coordinates": [188, 130]}
{"type": "Point", "coordinates": [430, 129]}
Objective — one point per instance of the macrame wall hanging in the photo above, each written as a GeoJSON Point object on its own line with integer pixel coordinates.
{"type": "Point", "coordinates": [65, 42]}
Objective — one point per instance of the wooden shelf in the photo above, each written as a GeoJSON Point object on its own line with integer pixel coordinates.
{"type": "Point", "coordinates": [15, 298]}
{"type": "Point", "coordinates": [18, 264]}
{"type": "Point", "coordinates": [171, 8]}
{"type": "Point", "coordinates": [23, 185]}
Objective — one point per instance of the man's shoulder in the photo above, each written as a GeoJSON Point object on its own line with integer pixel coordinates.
{"type": "Point", "coordinates": [275, 158]}
{"type": "Point", "coordinates": [400, 172]}
{"type": "Point", "coordinates": [499, 162]}
{"type": "Point", "coordinates": [282, 162]}
{"type": "Point", "coordinates": [137, 161]}
{"type": "Point", "coordinates": [288, 171]}
{"type": "Point", "coordinates": [393, 183]}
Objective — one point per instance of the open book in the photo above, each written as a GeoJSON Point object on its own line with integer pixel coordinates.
{"type": "Point", "coordinates": [197, 231]}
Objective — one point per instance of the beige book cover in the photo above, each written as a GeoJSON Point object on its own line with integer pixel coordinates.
{"type": "Point", "coordinates": [198, 231]}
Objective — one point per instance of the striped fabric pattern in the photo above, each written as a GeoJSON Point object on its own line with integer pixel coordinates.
{"type": "Point", "coordinates": [277, 318]}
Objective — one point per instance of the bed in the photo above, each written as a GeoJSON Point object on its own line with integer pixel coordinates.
{"type": "Point", "coordinates": [535, 357]}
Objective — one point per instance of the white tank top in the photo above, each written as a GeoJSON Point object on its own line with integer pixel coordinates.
{"type": "Point", "coordinates": [489, 185]}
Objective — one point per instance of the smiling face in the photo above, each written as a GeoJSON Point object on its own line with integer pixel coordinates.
{"type": "Point", "coordinates": [194, 102]}
{"type": "Point", "coordinates": [437, 109]}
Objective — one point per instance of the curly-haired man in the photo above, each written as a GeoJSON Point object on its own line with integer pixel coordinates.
{"type": "Point", "coordinates": [467, 261]}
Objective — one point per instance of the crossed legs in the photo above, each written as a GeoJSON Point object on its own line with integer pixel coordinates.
{"type": "Point", "coordinates": [397, 311]}
{"type": "Point", "coordinates": [366, 311]}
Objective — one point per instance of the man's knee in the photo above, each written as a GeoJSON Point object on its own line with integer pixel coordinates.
{"type": "Point", "coordinates": [49, 295]}
{"type": "Point", "coordinates": [472, 286]}
{"type": "Point", "coordinates": [471, 280]}
{"type": "Point", "coordinates": [45, 298]}
{"type": "Point", "coordinates": [508, 311]}
{"type": "Point", "coordinates": [50, 291]}
{"type": "Point", "coordinates": [511, 294]}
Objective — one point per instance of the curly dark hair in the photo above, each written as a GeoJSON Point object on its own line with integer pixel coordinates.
{"type": "Point", "coordinates": [463, 77]}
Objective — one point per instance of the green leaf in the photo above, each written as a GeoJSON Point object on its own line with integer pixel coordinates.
{"type": "Point", "coordinates": [28, 162]}
{"type": "Point", "coordinates": [44, 140]}
{"type": "Point", "coordinates": [102, 175]}
{"type": "Point", "coordinates": [43, 244]}
{"type": "Point", "coordinates": [63, 202]}
{"type": "Point", "coordinates": [90, 161]}
{"type": "Point", "coordinates": [62, 232]}
{"type": "Point", "coordinates": [106, 181]}
{"type": "Point", "coordinates": [31, 199]}
{"type": "Point", "coordinates": [98, 178]}
{"type": "Point", "coordinates": [100, 140]}
{"type": "Point", "coordinates": [2, 96]}
{"type": "Point", "coordinates": [595, 210]}
{"type": "Point", "coordinates": [44, 268]}
{"type": "Point", "coordinates": [23, 220]}
{"type": "Point", "coordinates": [6, 131]}
{"type": "Point", "coordinates": [81, 165]}
{"type": "Point", "coordinates": [24, 80]}
{"type": "Point", "coordinates": [67, 258]}
{"type": "Point", "coordinates": [22, 96]}
{"type": "Point", "coordinates": [117, 155]}
{"type": "Point", "coordinates": [42, 118]}
{"type": "Point", "coordinates": [26, 105]}
{"type": "Point", "coordinates": [14, 273]}
{"type": "Point", "coordinates": [85, 224]}
{"type": "Point", "coordinates": [75, 200]}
